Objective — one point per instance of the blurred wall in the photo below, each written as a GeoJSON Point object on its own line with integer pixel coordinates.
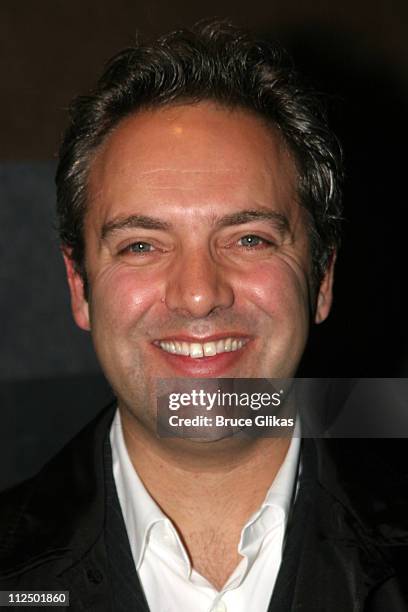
{"type": "Point", "coordinates": [53, 49]}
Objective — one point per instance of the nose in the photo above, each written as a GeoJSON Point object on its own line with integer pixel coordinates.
{"type": "Point", "coordinates": [197, 286]}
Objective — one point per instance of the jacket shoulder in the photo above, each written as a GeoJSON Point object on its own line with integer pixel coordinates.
{"type": "Point", "coordinates": [61, 508]}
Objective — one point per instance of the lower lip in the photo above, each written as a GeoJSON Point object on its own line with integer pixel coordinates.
{"type": "Point", "coordinates": [202, 367]}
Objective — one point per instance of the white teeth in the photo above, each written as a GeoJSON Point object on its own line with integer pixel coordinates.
{"type": "Point", "coordinates": [210, 349]}
{"type": "Point", "coordinates": [196, 350]}
{"type": "Point", "coordinates": [220, 346]}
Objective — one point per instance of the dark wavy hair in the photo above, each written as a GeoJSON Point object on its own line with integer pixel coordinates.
{"type": "Point", "coordinates": [214, 61]}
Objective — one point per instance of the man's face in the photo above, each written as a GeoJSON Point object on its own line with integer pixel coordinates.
{"type": "Point", "coordinates": [197, 253]}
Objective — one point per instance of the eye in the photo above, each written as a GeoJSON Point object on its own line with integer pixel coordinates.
{"type": "Point", "coordinates": [139, 248]}
{"type": "Point", "coordinates": [251, 241]}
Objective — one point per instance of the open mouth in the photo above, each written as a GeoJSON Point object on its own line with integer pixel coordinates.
{"type": "Point", "coordinates": [213, 356]}
{"type": "Point", "coordinates": [198, 350]}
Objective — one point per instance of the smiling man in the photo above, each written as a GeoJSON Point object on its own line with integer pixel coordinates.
{"type": "Point", "coordinates": [199, 206]}
{"type": "Point", "coordinates": [197, 252]}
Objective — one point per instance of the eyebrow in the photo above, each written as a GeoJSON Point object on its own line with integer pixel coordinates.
{"type": "Point", "coordinates": [133, 221]}
{"type": "Point", "coordinates": [279, 220]}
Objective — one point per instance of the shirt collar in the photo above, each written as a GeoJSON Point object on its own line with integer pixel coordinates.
{"type": "Point", "coordinates": [275, 508]}
{"type": "Point", "coordinates": [141, 513]}
{"type": "Point", "coordinates": [282, 491]}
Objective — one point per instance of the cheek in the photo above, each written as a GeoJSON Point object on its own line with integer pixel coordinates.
{"type": "Point", "coordinates": [119, 297]}
{"type": "Point", "coordinates": [279, 289]}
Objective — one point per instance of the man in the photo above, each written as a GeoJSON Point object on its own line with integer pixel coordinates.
{"type": "Point", "coordinates": [199, 207]}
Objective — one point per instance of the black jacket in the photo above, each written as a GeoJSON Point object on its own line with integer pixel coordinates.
{"type": "Point", "coordinates": [339, 556]}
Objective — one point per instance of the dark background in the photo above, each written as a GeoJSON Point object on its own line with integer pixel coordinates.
{"type": "Point", "coordinates": [356, 51]}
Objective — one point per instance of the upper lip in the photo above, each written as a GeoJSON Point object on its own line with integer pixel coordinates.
{"type": "Point", "coordinates": [202, 340]}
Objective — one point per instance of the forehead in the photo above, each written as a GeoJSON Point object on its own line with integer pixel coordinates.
{"type": "Point", "coordinates": [198, 156]}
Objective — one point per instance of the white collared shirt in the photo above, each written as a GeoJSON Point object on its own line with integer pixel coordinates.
{"type": "Point", "coordinates": [169, 582]}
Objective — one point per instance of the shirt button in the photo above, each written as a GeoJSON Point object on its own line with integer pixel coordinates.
{"type": "Point", "coordinates": [219, 607]}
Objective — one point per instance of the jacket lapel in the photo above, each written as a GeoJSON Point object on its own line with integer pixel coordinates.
{"type": "Point", "coordinates": [329, 562]}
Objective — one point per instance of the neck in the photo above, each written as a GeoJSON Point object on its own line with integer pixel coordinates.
{"type": "Point", "coordinates": [221, 482]}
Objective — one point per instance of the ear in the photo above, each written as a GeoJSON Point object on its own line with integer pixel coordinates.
{"type": "Point", "coordinates": [325, 295]}
{"type": "Point", "coordinates": [79, 303]}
